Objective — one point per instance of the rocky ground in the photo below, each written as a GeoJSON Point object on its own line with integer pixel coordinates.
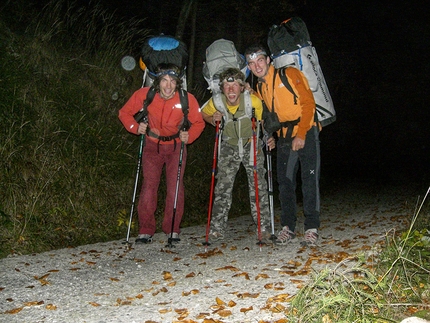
{"type": "Point", "coordinates": [235, 280]}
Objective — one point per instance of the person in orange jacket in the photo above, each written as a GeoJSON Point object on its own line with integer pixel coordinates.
{"type": "Point", "coordinates": [298, 143]}
{"type": "Point", "coordinates": [164, 135]}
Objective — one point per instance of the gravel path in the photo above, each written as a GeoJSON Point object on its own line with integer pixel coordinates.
{"type": "Point", "coordinates": [235, 280]}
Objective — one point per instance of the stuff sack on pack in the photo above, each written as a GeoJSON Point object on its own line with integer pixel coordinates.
{"type": "Point", "coordinates": [220, 55]}
{"type": "Point", "coordinates": [162, 49]}
{"type": "Point", "coordinates": [290, 44]}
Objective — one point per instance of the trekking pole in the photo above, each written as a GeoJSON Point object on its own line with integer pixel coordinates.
{"type": "Point", "coordinates": [257, 200]}
{"type": "Point", "coordinates": [270, 189]}
{"type": "Point", "coordinates": [214, 162]}
{"type": "Point", "coordinates": [133, 200]}
{"type": "Point", "coordinates": [178, 179]}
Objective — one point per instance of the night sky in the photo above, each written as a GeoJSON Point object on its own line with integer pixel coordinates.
{"type": "Point", "coordinates": [375, 60]}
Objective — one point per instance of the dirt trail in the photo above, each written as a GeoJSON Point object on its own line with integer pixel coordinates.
{"type": "Point", "coordinates": [232, 281]}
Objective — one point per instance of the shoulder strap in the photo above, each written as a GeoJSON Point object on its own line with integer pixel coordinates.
{"type": "Point", "coordinates": [287, 84]}
{"type": "Point", "coordinates": [218, 103]}
{"type": "Point", "coordinates": [248, 103]}
{"type": "Point", "coordinates": [183, 96]}
{"type": "Point", "coordinates": [143, 113]}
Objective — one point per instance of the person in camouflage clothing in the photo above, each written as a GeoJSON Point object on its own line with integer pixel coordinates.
{"type": "Point", "coordinates": [234, 110]}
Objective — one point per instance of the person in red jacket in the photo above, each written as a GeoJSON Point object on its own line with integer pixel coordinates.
{"type": "Point", "coordinates": [164, 134]}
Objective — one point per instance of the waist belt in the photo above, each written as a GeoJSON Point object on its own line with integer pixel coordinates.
{"type": "Point", "coordinates": [163, 138]}
{"type": "Point", "coordinates": [290, 125]}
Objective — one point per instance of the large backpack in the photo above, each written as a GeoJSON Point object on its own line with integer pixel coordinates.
{"type": "Point", "coordinates": [220, 55]}
{"type": "Point", "coordinates": [162, 49]}
{"type": "Point", "coordinates": [290, 44]}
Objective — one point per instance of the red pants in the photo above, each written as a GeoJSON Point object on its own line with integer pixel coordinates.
{"type": "Point", "coordinates": [154, 158]}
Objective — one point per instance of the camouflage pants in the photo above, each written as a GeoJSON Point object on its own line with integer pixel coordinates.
{"type": "Point", "coordinates": [228, 165]}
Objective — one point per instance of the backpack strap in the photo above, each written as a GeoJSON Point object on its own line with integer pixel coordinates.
{"type": "Point", "coordinates": [287, 84]}
{"type": "Point", "coordinates": [183, 96]}
{"type": "Point", "coordinates": [248, 103]}
{"type": "Point", "coordinates": [143, 113]}
{"type": "Point", "coordinates": [284, 79]}
{"type": "Point", "coordinates": [286, 124]}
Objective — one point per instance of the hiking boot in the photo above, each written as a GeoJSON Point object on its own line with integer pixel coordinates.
{"type": "Point", "coordinates": [143, 238]}
{"type": "Point", "coordinates": [311, 237]}
{"type": "Point", "coordinates": [285, 236]}
{"type": "Point", "coordinates": [174, 236]}
{"type": "Point", "coordinates": [215, 236]}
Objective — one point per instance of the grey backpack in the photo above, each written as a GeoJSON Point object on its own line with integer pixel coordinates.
{"type": "Point", "coordinates": [220, 55]}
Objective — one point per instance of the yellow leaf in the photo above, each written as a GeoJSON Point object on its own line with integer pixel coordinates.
{"type": "Point", "coordinates": [33, 303]}
{"type": "Point", "coordinates": [261, 276]}
{"type": "Point", "coordinates": [164, 310]}
{"type": "Point", "coordinates": [224, 313]}
{"type": "Point", "coordinates": [253, 295]}
{"type": "Point", "coordinates": [14, 311]}
{"type": "Point", "coordinates": [244, 274]}
{"type": "Point", "coordinates": [51, 307]}
{"type": "Point", "coordinates": [278, 308]}
{"type": "Point", "coordinates": [94, 304]}
{"type": "Point", "coordinates": [244, 310]}
{"type": "Point", "coordinates": [181, 311]}
{"type": "Point", "coordinates": [219, 301]}
{"type": "Point", "coordinates": [232, 268]}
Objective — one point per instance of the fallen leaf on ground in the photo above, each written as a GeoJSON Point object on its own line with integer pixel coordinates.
{"type": "Point", "coordinates": [167, 275]}
{"type": "Point", "coordinates": [261, 276]}
{"type": "Point", "coordinates": [33, 303]}
{"type": "Point", "coordinates": [164, 310]}
{"type": "Point", "coordinates": [251, 295]}
{"type": "Point", "coordinates": [94, 304]}
{"type": "Point", "coordinates": [224, 313]}
{"type": "Point", "coordinates": [14, 310]}
{"type": "Point", "coordinates": [244, 310]}
{"type": "Point", "coordinates": [219, 301]}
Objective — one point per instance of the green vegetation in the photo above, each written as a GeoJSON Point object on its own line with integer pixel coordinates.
{"type": "Point", "coordinates": [67, 165]}
{"type": "Point", "coordinates": [387, 288]}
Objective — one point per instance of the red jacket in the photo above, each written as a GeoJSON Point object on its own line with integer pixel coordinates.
{"type": "Point", "coordinates": [165, 116]}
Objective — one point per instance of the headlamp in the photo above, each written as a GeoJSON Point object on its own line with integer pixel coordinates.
{"type": "Point", "coordinates": [256, 54]}
{"type": "Point", "coordinates": [168, 72]}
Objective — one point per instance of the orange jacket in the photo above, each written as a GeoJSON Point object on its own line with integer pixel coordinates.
{"type": "Point", "coordinates": [284, 99]}
{"type": "Point", "coordinates": [165, 116]}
